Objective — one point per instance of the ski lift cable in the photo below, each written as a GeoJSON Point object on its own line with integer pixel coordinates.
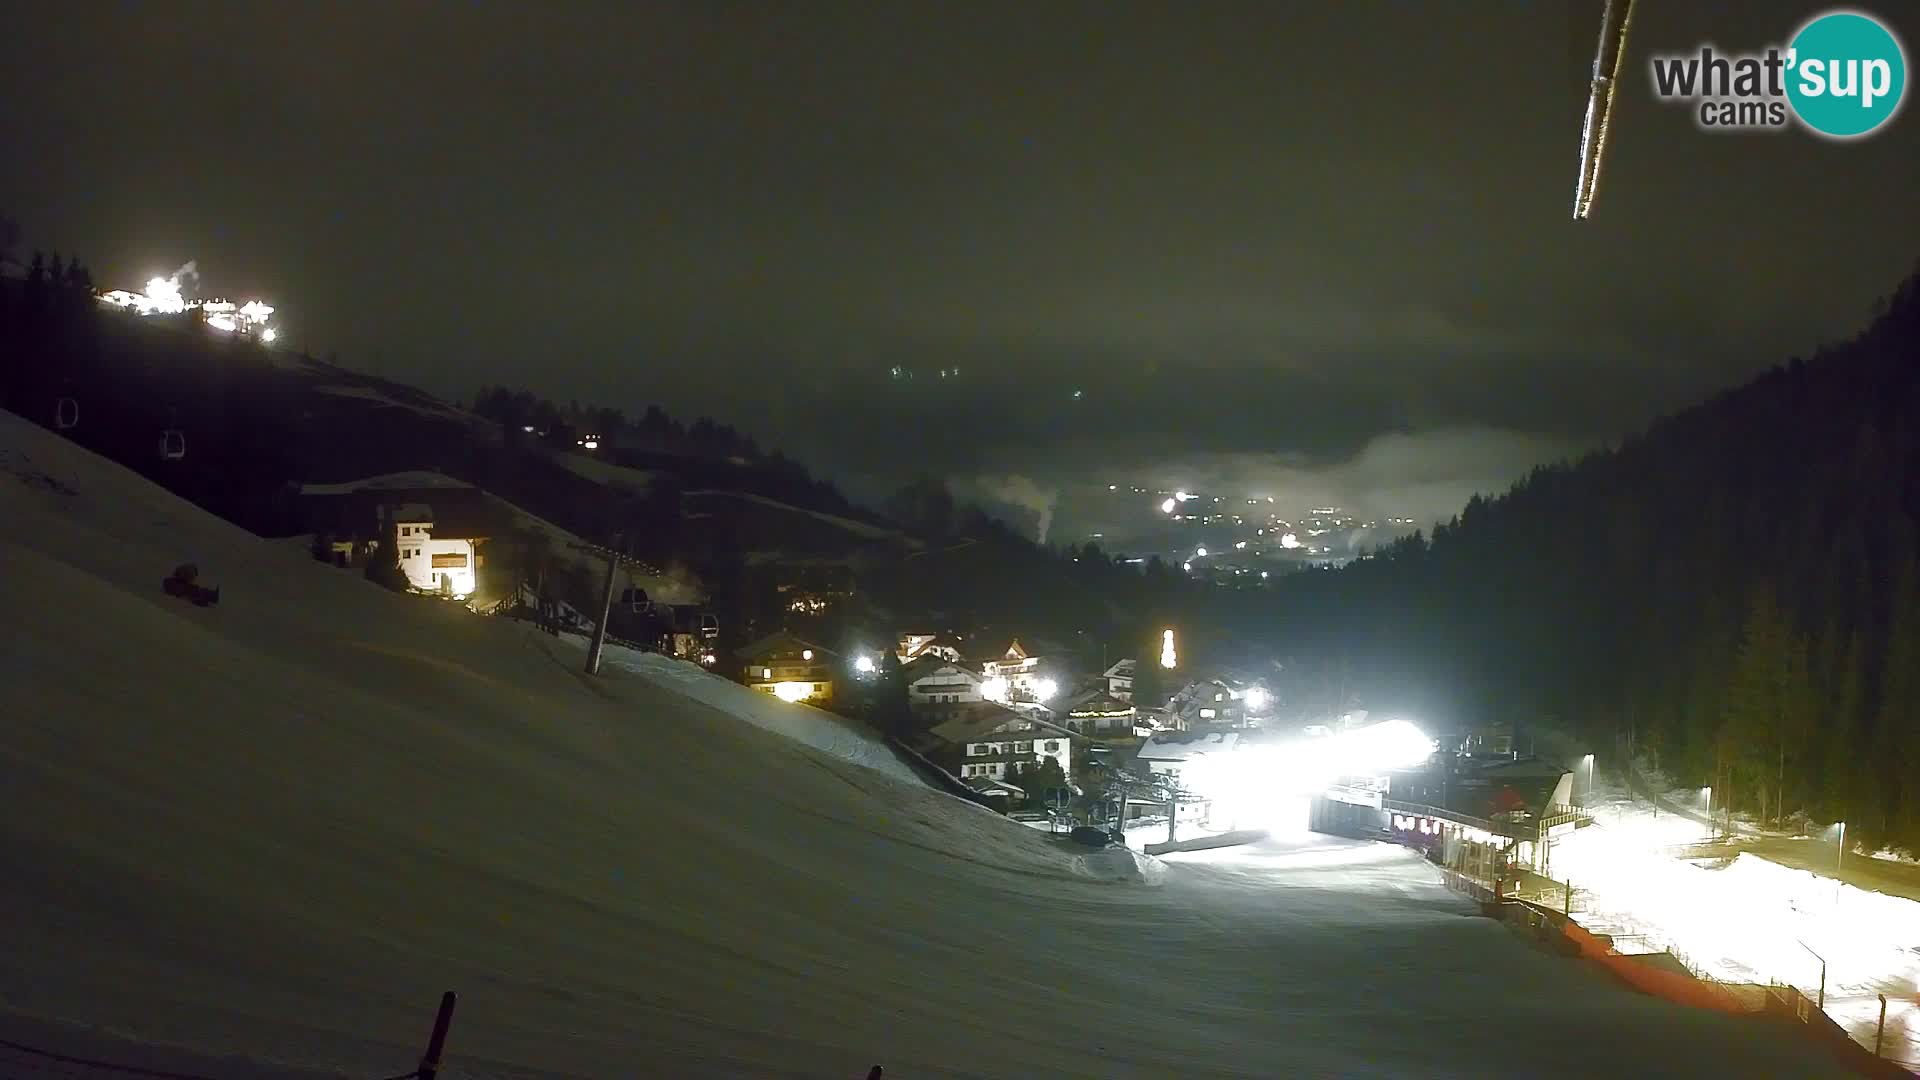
{"type": "Point", "coordinates": [1599, 116]}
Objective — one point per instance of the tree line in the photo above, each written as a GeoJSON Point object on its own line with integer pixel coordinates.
{"type": "Point", "coordinates": [1735, 593]}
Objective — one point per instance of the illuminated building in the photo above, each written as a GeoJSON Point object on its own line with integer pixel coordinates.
{"type": "Point", "coordinates": [790, 668]}
{"type": "Point", "coordinates": [914, 646]}
{"type": "Point", "coordinates": [435, 558]}
{"type": "Point", "coordinates": [164, 297]}
{"type": "Point", "coordinates": [933, 681]}
{"type": "Point", "coordinates": [983, 740]}
{"type": "Point", "coordinates": [1104, 717]}
{"type": "Point", "coordinates": [1020, 674]}
{"type": "Point", "coordinates": [438, 525]}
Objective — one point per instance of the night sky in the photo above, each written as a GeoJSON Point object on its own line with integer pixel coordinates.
{"type": "Point", "coordinates": [1322, 251]}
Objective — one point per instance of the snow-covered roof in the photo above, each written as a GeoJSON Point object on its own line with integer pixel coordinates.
{"type": "Point", "coordinates": [987, 785]}
{"type": "Point", "coordinates": [1180, 747]}
{"type": "Point", "coordinates": [1097, 702]}
{"type": "Point", "coordinates": [779, 639]}
{"type": "Point", "coordinates": [975, 721]}
{"type": "Point", "coordinates": [921, 667]}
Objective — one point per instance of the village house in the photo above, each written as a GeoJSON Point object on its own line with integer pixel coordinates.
{"type": "Point", "coordinates": [1168, 753]}
{"type": "Point", "coordinates": [1119, 679]}
{"type": "Point", "coordinates": [1016, 676]}
{"type": "Point", "coordinates": [438, 525]}
{"type": "Point", "coordinates": [1219, 703]}
{"type": "Point", "coordinates": [915, 646]}
{"type": "Point", "coordinates": [790, 668]}
{"type": "Point", "coordinates": [1102, 716]}
{"type": "Point", "coordinates": [986, 739]}
{"type": "Point", "coordinates": [932, 681]}
{"type": "Point", "coordinates": [436, 555]}
{"type": "Point", "coordinates": [1000, 796]}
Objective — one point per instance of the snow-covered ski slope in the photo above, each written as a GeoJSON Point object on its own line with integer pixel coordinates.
{"type": "Point", "coordinates": [268, 834]}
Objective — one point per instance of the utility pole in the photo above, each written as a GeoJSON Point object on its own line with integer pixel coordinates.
{"type": "Point", "coordinates": [599, 640]}
{"type": "Point", "coordinates": [1173, 808]}
{"type": "Point", "coordinates": [600, 625]}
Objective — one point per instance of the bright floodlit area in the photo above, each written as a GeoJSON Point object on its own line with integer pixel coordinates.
{"type": "Point", "coordinates": [261, 842]}
{"type": "Point", "coordinates": [1647, 875]}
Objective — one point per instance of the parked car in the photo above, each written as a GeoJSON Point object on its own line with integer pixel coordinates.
{"type": "Point", "coordinates": [1033, 819]}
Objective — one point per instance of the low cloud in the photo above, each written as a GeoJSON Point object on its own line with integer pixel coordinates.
{"type": "Point", "coordinates": [1022, 492]}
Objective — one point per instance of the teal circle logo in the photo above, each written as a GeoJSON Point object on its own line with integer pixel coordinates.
{"type": "Point", "coordinates": [1847, 74]}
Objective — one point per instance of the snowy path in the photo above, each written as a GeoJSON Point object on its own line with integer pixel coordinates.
{"type": "Point", "coordinates": [1764, 908]}
{"type": "Point", "coordinates": [281, 827]}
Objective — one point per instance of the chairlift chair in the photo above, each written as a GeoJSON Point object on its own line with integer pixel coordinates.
{"type": "Point", "coordinates": [66, 414]}
{"type": "Point", "coordinates": [173, 445]}
{"type": "Point", "coordinates": [636, 600]}
{"type": "Point", "coordinates": [709, 627]}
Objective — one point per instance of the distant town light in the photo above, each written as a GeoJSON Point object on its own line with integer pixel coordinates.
{"type": "Point", "coordinates": [1258, 698]}
{"type": "Point", "coordinates": [863, 665]}
{"type": "Point", "coordinates": [994, 689]}
{"type": "Point", "coordinates": [766, 673]}
{"type": "Point", "coordinates": [792, 691]}
{"type": "Point", "coordinates": [1167, 507]}
{"type": "Point", "coordinates": [269, 334]}
{"type": "Point", "coordinates": [806, 654]}
{"type": "Point", "coordinates": [1187, 566]}
{"type": "Point", "coordinates": [1200, 553]}
{"type": "Point", "coordinates": [1167, 655]}
{"type": "Point", "coordinates": [1045, 689]}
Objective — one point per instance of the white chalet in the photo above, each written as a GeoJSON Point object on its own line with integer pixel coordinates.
{"type": "Point", "coordinates": [1021, 672]}
{"type": "Point", "coordinates": [985, 739]}
{"type": "Point", "coordinates": [442, 563]}
{"type": "Point", "coordinates": [933, 681]}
